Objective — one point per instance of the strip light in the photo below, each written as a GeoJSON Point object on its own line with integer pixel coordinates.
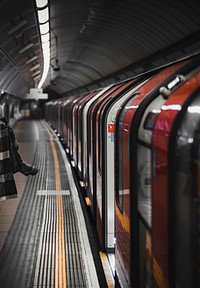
{"type": "Point", "coordinates": [36, 73]}
{"type": "Point", "coordinates": [27, 47]}
{"type": "Point", "coordinates": [43, 17]}
{"type": "Point", "coordinates": [35, 67]}
{"type": "Point", "coordinates": [41, 3]}
{"type": "Point", "coordinates": [31, 60]}
{"type": "Point", "coordinates": [17, 27]}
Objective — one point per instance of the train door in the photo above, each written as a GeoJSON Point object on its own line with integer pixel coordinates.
{"type": "Point", "coordinates": [59, 125]}
{"type": "Point", "coordinates": [105, 163]}
{"type": "Point", "coordinates": [85, 133]}
{"type": "Point", "coordinates": [79, 137]}
{"type": "Point", "coordinates": [75, 121]}
{"type": "Point", "coordinates": [144, 191]}
{"type": "Point", "coordinates": [91, 187]}
{"type": "Point", "coordinates": [55, 115]}
{"type": "Point", "coordinates": [70, 109]}
{"type": "Point", "coordinates": [122, 202]}
{"type": "Point", "coordinates": [104, 197]}
{"type": "Point", "coordinates": [185, 196]}
{"type": "Point", "coordinates": [65, 122]}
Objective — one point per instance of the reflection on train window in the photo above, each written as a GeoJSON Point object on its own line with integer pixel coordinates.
{"type": "Point", "coordinates": [100, 142]}
{"type": "Point", "coordinates": [144, 177]}
{"type": "Point", "coordinates": [120, 166]}
{"type": "Point", "coordinates": [186, 220]}
{"type": "Point", "coordinates": [150, 120]}
{"type": "Point", "coordinates": [123, 156]}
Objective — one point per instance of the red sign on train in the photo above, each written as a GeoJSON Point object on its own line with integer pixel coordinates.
{"type": "Point", "coordinates": [111, 128]}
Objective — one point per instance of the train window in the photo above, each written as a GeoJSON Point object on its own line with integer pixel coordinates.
{"type": "Point", "coordinates": [144, 183]}
{"type": "Point", "coordinates": [150, 120]}
{"type": "Point", "coordinates": [120, 166]}
{"type": "Point", "coordinates": [101, 141]}
{"type": "Point", "coordinates": [122, 146]}
{"type": "Point", "coordinates": [185, 199]}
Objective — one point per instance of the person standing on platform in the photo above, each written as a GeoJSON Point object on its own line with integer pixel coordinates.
{"type": "Point", "coordinates": [8, 188]}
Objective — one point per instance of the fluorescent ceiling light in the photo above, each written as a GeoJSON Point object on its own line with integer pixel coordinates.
{"type": "Point", "coordinates": [43, 15]}
{"type": "Point", "coordinates": [36, 73]}
{"type": "Point", "coordinates": [24, 49]}
{"type": "Point", "coordinates": [17, 27]}
{"type": "Point", "coordinates": [45, 46]}
{"type": "Point", "coordinates": [37, 77]}
{"type": "Point", "coordinates": [45, 38]}
{"type": "Point", "coordinates": [44, 28]}
{"type": "Point", "coordinates": [41, 3]}
{"type": "Point", "coordinates": [31, 60]}
{"type": "Point", "coordinates": [44, 75]}
{"type": "Point", "coordinates": [35, 67]}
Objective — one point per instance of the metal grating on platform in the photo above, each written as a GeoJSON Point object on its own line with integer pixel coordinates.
{"type": "Point", "coordinates": [75, 271]}
{"type": "Point", "coordinates": [27, 258]}
{"type": "Point", "coordinates": [53, 192]}
{"type": "Point", "coordinates": [17, 258]}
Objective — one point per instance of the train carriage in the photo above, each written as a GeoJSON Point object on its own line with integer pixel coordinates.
{"type": "Point", "coordinates": [64, 129]}
{"type": "Point", "coordinates": [69, 120]}
{"type": "Point", "coordinates": [76, 124]}
{"type": "Point", "coordinates": [175, 248]}
{"type": "Point", "coordinates": [68, 124]}
{"type": "Point", "coordinates": [91, 122]}
{"type": "Point", "coordinates": [80, 133]}
{"type": "Point", "coordinates": [131, 226]}
{"type": "Point", "coordinates": [84, 143]}
{"type": "Point", "coordinates": [102, 206]}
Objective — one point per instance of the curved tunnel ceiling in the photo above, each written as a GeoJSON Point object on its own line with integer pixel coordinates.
{"type": "Point", "coordinates": [96, 39]}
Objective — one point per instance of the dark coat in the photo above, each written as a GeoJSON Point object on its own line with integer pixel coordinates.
{"type": "Point", "coordinates": [7, 183]}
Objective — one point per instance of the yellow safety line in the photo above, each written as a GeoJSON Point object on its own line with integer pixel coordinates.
{"type": "Point", "coordinates": [107, 270]}
{"type": "Point", "coordinates": [60, 265]}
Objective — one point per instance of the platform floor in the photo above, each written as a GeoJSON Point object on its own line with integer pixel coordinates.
{"type": "Point", "coordinates": [43, 235]}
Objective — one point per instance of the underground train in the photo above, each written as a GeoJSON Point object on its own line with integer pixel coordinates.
{"type": "Point", "coordinates": [135, 146]}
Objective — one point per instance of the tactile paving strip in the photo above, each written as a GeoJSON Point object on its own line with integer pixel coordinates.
{"type": "Point", "coordinates": [27, 258]}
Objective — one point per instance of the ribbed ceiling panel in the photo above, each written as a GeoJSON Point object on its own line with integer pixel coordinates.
{"type": "Point", "coordinates": [119, 33]}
